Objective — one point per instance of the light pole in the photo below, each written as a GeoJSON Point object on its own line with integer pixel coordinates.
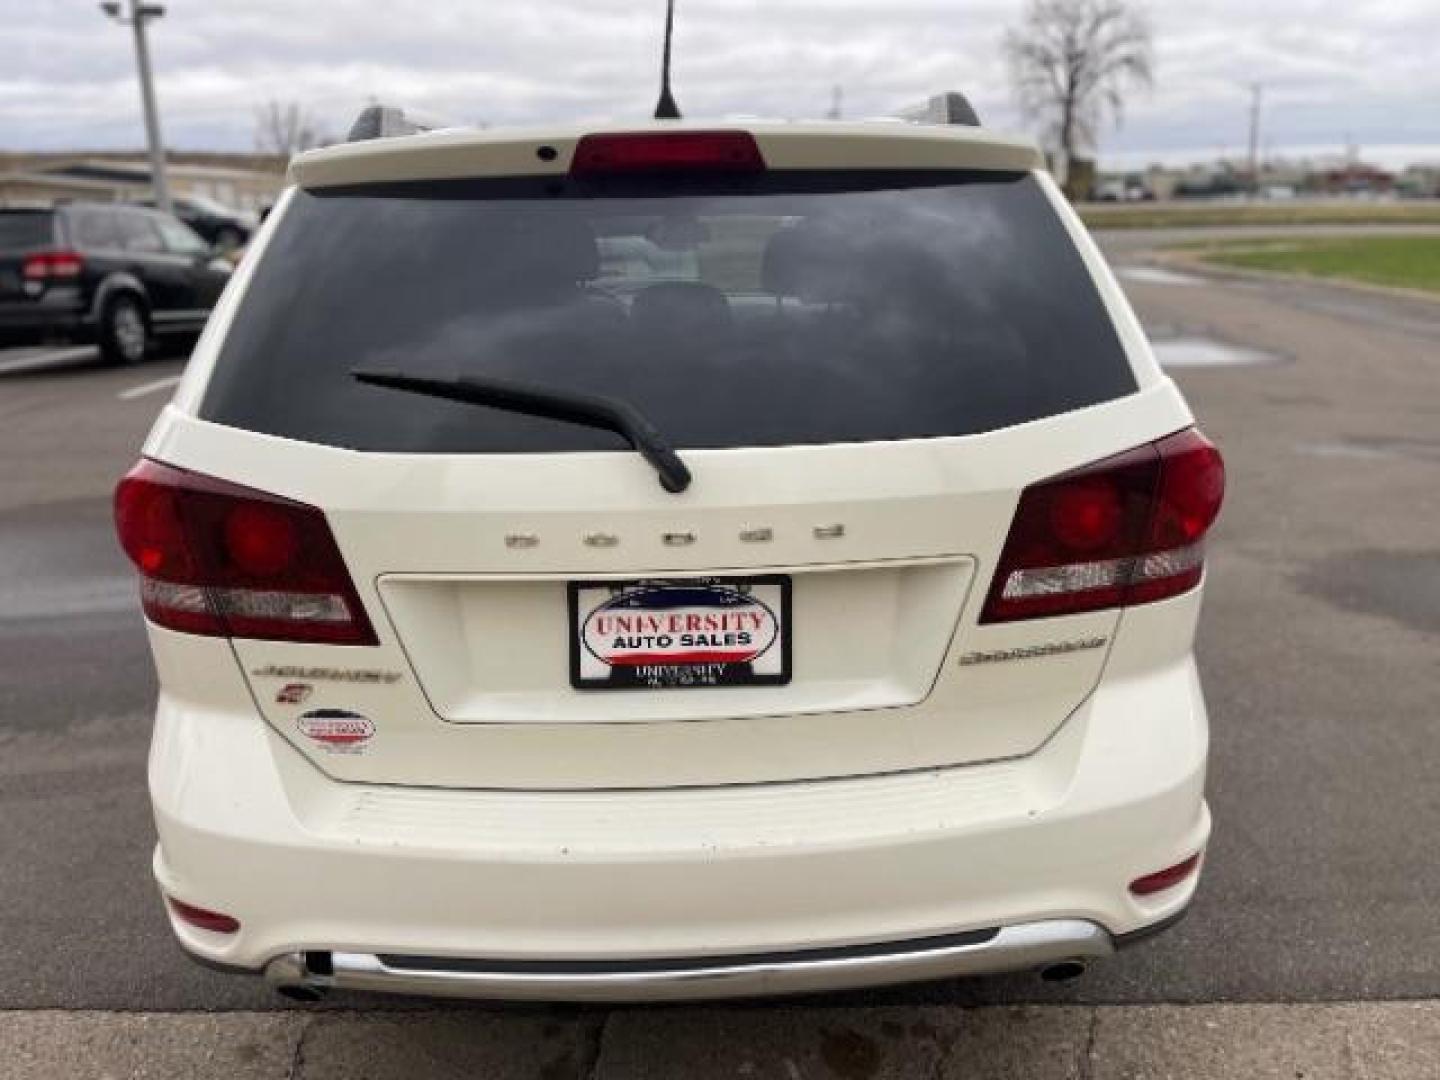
{"type": "Point", "coordinates": [141, 13]}
{"type": "Point", "coordinates": [1256, 91]}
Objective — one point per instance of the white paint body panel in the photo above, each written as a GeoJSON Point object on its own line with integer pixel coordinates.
{"type": "Point", "coordinates": [247, 826]}
{"type": "Point", "coordinates": [889, 792]}
{"type": "Point", "coordinates": [406, 524]}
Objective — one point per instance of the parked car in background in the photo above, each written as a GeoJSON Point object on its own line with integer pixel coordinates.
{"type": "Point", "coordinates": [119, 276]}
{"type": "Point", "coordinates": [221, 225]}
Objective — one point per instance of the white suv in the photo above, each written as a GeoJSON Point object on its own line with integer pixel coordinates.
{"type": "Point", "coordinates": [672, 563]}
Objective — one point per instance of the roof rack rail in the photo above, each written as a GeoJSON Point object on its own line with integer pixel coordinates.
{"type": "Point", "coordinates": [951, 107]}
{"type": "Point", "coordinates": [389, 121]}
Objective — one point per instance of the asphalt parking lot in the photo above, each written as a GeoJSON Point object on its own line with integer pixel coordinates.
{"type": "Point", "coordinates": [1320, 647]}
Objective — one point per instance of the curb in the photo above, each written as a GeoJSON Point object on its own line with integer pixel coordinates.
{"type": "Point", "coordinates": [1373, 1040]}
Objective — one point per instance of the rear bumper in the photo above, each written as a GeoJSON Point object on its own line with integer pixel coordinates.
{"type": "Point", "coordinates": [593, 895]}
{"type": "Point", "coordinates": [980, 952]}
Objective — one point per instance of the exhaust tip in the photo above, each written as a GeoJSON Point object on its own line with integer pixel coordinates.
{"type": "Point", "coordinates": [1063, 971]}
{"type": "Point", "coordinates": [292, 976]}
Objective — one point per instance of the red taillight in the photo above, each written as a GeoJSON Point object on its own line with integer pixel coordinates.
{"type": "Point", "coordinates": [1165, 879]}
{"type": "Point", "coordinates": [1126, 530]}
{"type": "Point", "coordinates": [52, 266]}
{"type": "Point", "coordinates": [202, 917]}
{"type": "Point", "coordinates": [666, 151]}
{"type": "Point", "coordinates": [228, 561]}
{"type": "Point", "coordinates": [261, 539]}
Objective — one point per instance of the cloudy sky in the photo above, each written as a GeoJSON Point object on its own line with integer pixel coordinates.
{"type": "Point", "coordinates": [1333, 70]}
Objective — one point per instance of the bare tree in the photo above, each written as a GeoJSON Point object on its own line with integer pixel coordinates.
{"type": "Point", "coordinates": [286, 128]}
{"type": "Point", "coordinates": [1070, 63]}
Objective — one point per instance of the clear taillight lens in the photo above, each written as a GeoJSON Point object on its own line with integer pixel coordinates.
{"type": "Point", "coordinates": [223, 560]}
{"type": "Point", "coordinates": [1126, 530]}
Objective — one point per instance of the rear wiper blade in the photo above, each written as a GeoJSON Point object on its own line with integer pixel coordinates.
{"type": "Point", "coordinates": [592, 410]}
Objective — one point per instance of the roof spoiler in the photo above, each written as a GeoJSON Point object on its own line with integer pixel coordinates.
{"type": "Point", "coordinates": [951, 107]}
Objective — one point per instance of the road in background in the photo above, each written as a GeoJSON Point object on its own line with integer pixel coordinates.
{"type": "Point", "coordinates": [1319, 649]}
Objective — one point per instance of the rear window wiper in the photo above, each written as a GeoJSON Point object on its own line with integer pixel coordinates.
{"type": "Point", "coordinates": [592, 410]}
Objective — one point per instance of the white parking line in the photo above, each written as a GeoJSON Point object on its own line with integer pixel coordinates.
{"type": "Point", "coordinates": [22, 359]}
{"type": "Point", "coordinates": [148, 388]}
{"type": "Point", "coordinates": [1158, 275]}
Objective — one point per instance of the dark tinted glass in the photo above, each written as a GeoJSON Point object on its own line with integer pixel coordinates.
{"type": "Point", "coordinates": [138, 232]}
{"type": "Point", "coordinates": [179, 238]}
{"type": "Point", "coordinates": [94, 230]}
{"type": "Point", "coordinates": [783, 309]}
{"type": "Point", "coordinates": [21, 229]}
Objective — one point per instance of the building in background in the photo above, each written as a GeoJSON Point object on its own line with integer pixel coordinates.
{"type": "Point", "coordinates": [243, 182]}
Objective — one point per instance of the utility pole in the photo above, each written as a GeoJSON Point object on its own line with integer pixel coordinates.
{"type": "Point", "coordinates": [140, 14]}
{"type": "Point", "coordinates": [1256, 91]}
{"type": "Point", "coordinates": [837, 103]}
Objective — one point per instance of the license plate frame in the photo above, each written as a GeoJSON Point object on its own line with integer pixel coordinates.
{"type": "Point", "coordinates": [711, 665]}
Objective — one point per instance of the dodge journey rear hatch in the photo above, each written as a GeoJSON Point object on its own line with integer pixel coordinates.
{"type": "Point", "coordinates": [472, 383]}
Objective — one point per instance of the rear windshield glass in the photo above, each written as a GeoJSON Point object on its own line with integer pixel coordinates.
{"type": "Point", "coordinates": [788, 308]}
{"type": "Point", "coordinates": [26, 229]}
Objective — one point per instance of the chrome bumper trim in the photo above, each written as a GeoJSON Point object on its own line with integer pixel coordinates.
{"type": "Point", "coordinates": [1010, 948]}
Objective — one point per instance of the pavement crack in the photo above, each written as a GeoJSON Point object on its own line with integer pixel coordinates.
{"type": "Point", "coordinates": [1354, 1066]}
{"type": "Point", "coordinates": [592, 1047]}
{"type": "Point", "coordinates": [297, 1058]}
{"type": "Point", "coordinates": [945, 1051]}
{"type": "Point", "coordinates": [1085, 1068]}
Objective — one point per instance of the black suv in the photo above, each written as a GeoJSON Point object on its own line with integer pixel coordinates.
{"type": "Point", "coordinates": [115, 275]}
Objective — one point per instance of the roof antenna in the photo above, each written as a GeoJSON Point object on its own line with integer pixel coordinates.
{"type": "Point", "coordinates": [665, 108]}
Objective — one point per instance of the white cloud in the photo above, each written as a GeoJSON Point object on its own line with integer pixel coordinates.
{"type": "Point", "coordinates": [1331, 70]}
